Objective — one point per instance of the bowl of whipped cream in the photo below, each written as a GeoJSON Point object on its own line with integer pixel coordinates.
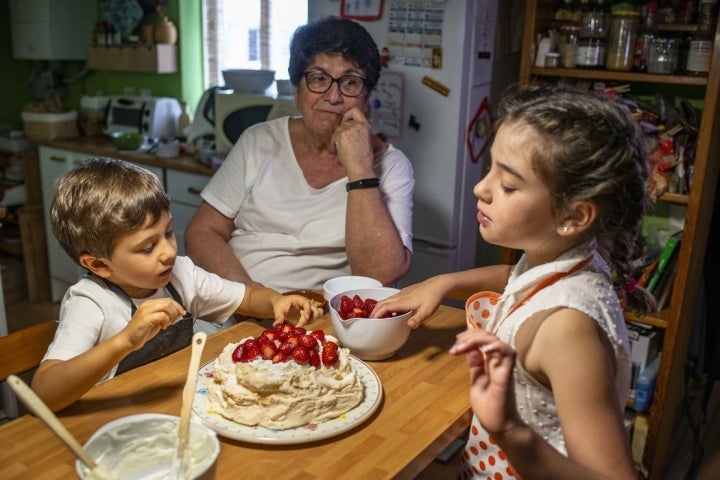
{"type": "Point", "coordinates": [143, 447]}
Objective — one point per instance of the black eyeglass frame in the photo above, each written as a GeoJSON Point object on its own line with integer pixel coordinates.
{"type": "Point", "coordinates": [335, 80]}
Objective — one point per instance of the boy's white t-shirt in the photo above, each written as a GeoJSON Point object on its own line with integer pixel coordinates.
{"type": "Point", "coordinates": [91, 313]}
{"type": "Point", "coordinates": [289, 235]}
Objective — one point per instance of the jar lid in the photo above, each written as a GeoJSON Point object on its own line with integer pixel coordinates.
{"type": "Point", "coordinates": [626, 13]}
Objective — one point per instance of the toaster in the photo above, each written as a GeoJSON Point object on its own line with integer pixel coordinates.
{"type": "Point", "coordinates": [155, 117]}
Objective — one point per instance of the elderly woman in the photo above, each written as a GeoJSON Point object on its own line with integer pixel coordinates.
{"type": "Point", "coordinates": [299, 200]}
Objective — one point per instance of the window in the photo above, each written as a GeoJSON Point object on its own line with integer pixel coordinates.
{"type": "Point", "coordinates": [252, 34]}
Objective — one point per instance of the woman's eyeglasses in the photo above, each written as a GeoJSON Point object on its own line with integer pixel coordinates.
{"type": "Point", "coordinates": [320, 82]}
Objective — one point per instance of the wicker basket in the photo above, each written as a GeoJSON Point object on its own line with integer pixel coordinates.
{"type": "Point", "coordinates": [50, 126]}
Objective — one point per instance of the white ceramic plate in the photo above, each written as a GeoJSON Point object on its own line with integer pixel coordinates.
{"type": "Point", "coordinates": [303, 434]}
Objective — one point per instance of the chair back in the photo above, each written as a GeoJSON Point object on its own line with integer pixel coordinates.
{"type": "Point", "coordinates": [23, 349]}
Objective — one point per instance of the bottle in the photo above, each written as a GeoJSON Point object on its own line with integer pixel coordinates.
{"type": "Point", "coordinates": [706, 15]}
{"type": "Point", "coordinates": [184, 120]}
{"type": "Point", "coordinates": [645, 385]}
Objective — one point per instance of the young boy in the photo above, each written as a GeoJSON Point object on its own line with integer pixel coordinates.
{"type": "Point", "coordinates": [138, 300]}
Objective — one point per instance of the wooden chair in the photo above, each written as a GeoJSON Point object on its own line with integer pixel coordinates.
{"type": "Point", "coordinates": [22, 350]}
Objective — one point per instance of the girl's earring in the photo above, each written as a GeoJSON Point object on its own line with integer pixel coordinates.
{"type": "Point", "coordinates": [565, 228]}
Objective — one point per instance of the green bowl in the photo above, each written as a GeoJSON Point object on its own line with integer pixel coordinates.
{"type": "Point", "coordinates": [128, 140]}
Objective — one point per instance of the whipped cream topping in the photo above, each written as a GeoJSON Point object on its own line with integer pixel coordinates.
{"type": "Point", "coordinates": [282, 395]}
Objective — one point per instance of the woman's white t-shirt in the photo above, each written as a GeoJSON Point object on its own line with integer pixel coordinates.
{"type": "Point", "coordinates": [289, 235]}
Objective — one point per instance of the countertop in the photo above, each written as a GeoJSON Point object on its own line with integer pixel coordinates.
{"type": "Point", "coordinates": [103, 146]}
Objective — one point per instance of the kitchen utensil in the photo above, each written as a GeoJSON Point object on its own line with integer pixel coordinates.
{"type": "Point", "coordinates": [38, 407]}
{"type": "Point", "coordinates": [198, 343]}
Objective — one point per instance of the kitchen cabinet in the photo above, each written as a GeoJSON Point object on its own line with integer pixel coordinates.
{"type": "Point", "coordinates": [184, 189]}
{"type": "Point", "coordinates": [678, 318]}
{"type": "Point", "coordinates": [54, 162]}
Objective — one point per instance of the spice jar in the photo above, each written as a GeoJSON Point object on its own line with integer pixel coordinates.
{"type": "Point", "coordinates": [622, 40]}
{"type": "Point", "coordinates": [698, 59]}
{"type": "Point", "coordinates": [590, 53]}
{"type": "Point", "coordinates": [567, 45]}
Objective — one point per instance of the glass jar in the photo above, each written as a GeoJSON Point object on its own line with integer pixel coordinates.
{"type": "Point", "coordinates": [663, 55]}
{"type": "Point", "coordinates": [590, 53]}
{"type": "Point", "coordinates": [698, 59]}
{"type": "Point", "coordinates": [552, 60]}
{"type": "Point", "coordinates": [622, 40]}
{"type": "Point", "coordinates": [706, 15]}
{"type": "Point", "coordinates": [567, 45]}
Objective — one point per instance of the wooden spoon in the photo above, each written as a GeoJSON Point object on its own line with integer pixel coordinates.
{"type": "Point", "coordinates": [38, 407]}
{"type": "Point", "coordinates": [198, 343]}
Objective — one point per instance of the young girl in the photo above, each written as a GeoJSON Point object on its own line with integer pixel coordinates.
{"type": "Point", "coordinates": [549, 358]}
{"type": "Point", "coordinates": [139, 300]}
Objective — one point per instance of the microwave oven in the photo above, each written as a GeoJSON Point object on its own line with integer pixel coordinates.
{"type": "Point", "coordinates": [234, 112]}
{"type": "Point", "coordinates": [155, 117]}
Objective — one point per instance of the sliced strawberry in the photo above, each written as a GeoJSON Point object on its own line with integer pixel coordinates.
{"type": "Point", "coordinates": [268, 351]}
{"type": "Point", "coordinates": [294, 339]}
{"type": "Point", "coordinates": [250, 354]}
{"type": "Point", "coordinates": [280, 357]}
{"type": "Point", "coordinates": [331, 345]}
{"type": "Point", "coordinates": [299, 331]}
{"type": "Point", "coordinates": [271, 334]}
{"type": "Point", "coordinates": [370, 304]}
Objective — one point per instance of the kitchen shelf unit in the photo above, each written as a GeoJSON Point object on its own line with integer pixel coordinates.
{"type": "Point", "coordinates": [158, 58]}
{"type": "Point", "coordinates": [677, 319]}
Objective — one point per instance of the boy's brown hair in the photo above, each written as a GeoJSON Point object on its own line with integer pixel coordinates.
{"type": "Point", "coordinates": [101, 200]}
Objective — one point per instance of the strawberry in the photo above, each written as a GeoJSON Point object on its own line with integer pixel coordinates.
{"type": "Point", "coordinates": [286, 348]}
{"type": "Point", "coordinates": [301, 355]}
{"type": "Point", "coordinates": [271, 334]}
{"type": "Point", "coordinates": [308, 341]}
{"type": "Point", "coordinates": [329, 357]}
{"type": "Point", "coordinates": [294, 339]}
{"type": "Point", "coordinates": [299, 331]}
{"type": "Point", "coordinates": [332, 345]}
{"type": "Point", "coordinates": [370, 304]}
{"type": "Point", "coordinates": [250, 354]}
{"type": "Point", "coordinates": [280, 357]}
{"type": "Point", "coordinates": [268, 351]}
{"type": "Point", "coordinates": [319, 334]}
{"type": "Point", "coordinates": [314, 358]}
{"type": "Point", "coordinates": [237, 354]}
{"type": "Point", "coordinates": [358, 302]}
{"type": "Point", "coordinates": [346, 304]}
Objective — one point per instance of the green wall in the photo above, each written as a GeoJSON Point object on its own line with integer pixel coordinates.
{"type": "Point", "coordinates": [187, 84]}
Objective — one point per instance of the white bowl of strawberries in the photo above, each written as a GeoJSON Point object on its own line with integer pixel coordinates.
{"type": "Point", "coordinates": [368, 338]}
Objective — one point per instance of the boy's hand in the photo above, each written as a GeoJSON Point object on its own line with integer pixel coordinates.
{"type": "Point", "coordinates": [296, 307]}
{"type": "Point", "coordinates": [151, 317]}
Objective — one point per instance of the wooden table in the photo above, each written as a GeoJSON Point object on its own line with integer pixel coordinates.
{"type": "Point", "coordinates": [425, 407]}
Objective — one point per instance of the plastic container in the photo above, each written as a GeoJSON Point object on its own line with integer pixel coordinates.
{"type": "Point", "coordinates": [645, 386]}
{"type": "Point", "coordinates": [622, 40]}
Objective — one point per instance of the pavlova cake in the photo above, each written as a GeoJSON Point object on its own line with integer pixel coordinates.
{"type": "Point", "coordinates": [285, 378]}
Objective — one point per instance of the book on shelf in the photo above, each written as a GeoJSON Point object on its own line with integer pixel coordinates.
{"type": "Point", "coordinates": [666, 257]}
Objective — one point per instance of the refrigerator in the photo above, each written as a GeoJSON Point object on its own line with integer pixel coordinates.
{"type": "Point", "coordinates": [447, 64]}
